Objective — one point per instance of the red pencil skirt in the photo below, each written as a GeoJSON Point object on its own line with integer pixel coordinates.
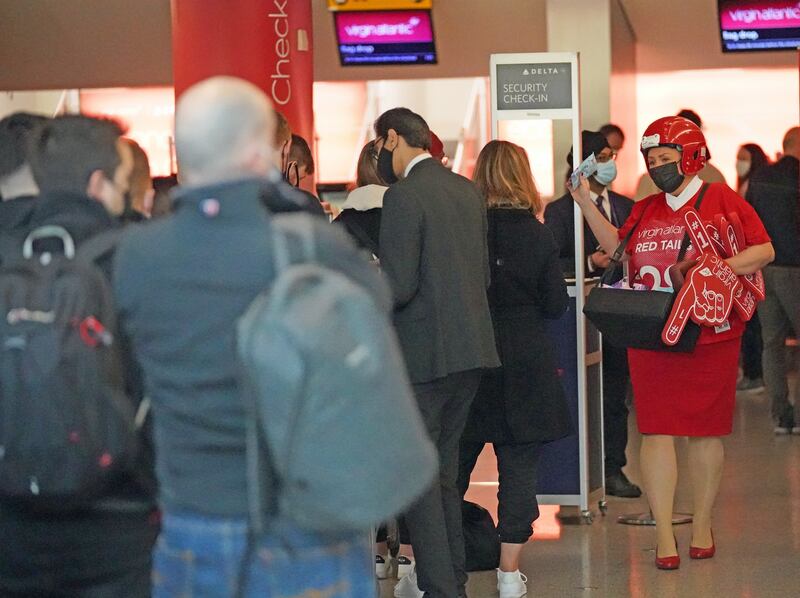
{"type": "Point", "coordinates": [686, 394]}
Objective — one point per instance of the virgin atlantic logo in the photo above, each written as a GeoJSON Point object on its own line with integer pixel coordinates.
{"type": "Point", "coordinates": [788, 12]}
{"type": "Point", "coordinates": [384, 29]}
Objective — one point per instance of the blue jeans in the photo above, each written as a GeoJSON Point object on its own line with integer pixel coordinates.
{"type": "Point", "coordinates": [200, 557]}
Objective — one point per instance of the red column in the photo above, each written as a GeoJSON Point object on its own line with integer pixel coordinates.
{"type": "Point", "coordinates": [267, 42]}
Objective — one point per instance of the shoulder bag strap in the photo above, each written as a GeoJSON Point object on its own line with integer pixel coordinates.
{"type": "Point", "coordinates": [616, 258]}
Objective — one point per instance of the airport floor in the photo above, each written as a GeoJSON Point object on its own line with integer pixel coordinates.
{"type": "Point", "coordinates": [756, 527]}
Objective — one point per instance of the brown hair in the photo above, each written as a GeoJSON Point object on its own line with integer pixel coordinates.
{"type": "Point", "coordinates": [139, 182]}
{"type": "Point", "coordinates": [367, 170]}
{"type": "Point", "coordinates": [283, 132]}
{"type": "Point", "coordinates": [503, 176]}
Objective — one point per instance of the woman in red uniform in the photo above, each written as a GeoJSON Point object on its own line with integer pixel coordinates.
{"type": "Point", "coordinates": [681, 394]}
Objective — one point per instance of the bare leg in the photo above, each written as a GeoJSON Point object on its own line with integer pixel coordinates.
{"type": "Point", "coordinates": [706, 456]}
{"type": "Point", "coordinates": [407, 551]}
{"type": "Point", "coordinates": [660, 476]}
{"type": "Point", "coordinates": [382, 549]}
{"type": "Point", "coordinates": [509, 557]}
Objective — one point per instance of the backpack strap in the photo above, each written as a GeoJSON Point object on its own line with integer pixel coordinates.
{"type": "Point", "coordinates": [98, 246]}
{"type": "Point", "coordinates": [286, 229]}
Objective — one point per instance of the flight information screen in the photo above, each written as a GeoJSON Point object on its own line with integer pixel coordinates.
{"type": "Point", "coordinates": [759, 25]}
{"type": "Point", "coordinates": [385, 37]}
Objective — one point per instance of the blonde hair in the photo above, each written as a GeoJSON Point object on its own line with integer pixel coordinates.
{"type": "Point", "coordinates": [503, 176]}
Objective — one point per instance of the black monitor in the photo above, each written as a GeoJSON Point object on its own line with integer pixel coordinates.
{"type": "Point", "coordinates": [759, 25]}
{"type": "Point", "coordinates": [385, 37]}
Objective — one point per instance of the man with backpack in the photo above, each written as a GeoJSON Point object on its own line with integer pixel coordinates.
{"type": "Point", "coordinates": [223, 247]}
{"type": "Point", "coordinates": [77, 496]}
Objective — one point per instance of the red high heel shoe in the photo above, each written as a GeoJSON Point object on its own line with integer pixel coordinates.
{"type": "Point", "coordinates": [703, 553]}
{"type": "Point", "coordinates": [668, 563]}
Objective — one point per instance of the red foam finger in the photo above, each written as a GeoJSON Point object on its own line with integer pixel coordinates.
{"type": "Point", "coordinates": [679, 316]}
{"type": "Point", "coordinates": [715, 237]}
{"type": "Point", "coordinates": [719, 308]}
{"type": "Point", "coordinates": [730, 244]}
{"type": "Point", "coordinates": [755, 284]}
{"type": "Point", "coordinates": [738, 229]}
{"type": "Point", "coordinates": [745, 305]}
{"type": "Point", "coordinates": [719, 286]}
{"type": "Point", "coordinates": [697, 233]}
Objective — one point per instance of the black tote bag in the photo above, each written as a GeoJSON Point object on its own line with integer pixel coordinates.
{"type": "Point", "coordinates": [635, 319]}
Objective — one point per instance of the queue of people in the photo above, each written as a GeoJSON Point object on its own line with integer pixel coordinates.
{"type": "Point", "coordinates": [467, 270]}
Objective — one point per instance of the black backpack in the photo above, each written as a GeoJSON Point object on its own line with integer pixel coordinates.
{"type": "Point", "coordinates": [66, 426]}
{"type": "Point", "coordinates": [481, 542]}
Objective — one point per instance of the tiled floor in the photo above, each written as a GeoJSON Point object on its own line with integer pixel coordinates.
{"type": "Point", "coordinates": [757, 529]}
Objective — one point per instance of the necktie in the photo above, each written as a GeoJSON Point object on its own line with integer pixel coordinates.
{"type": "Point", "coordinates": [599, 203]}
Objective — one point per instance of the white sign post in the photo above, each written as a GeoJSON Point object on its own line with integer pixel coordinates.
{"type": "Point", "coordinates": [540, 86]}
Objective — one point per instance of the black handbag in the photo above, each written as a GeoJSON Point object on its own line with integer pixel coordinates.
{"type": "Point", "coordinates": [635, 319]}
{"type": "Point", "coordinates": [481, 542]}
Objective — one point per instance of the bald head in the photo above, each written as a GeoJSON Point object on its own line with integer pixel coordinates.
{"type": "Point", "coordinates": [224, 129]}
{"type": "Point", "coordinates": [791, 142]}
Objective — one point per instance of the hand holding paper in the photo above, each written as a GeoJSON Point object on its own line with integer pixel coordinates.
{"type": "Point", "coordinates": [586, 168]}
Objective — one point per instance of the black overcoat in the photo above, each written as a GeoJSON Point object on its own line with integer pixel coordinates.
{"type": "Point", "coordinates": [522, 401]}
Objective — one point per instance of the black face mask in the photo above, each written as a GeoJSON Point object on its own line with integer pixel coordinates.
{"type": "Point", "coordinates": [666, 177]}
{"type": "Point", "coordinates": [385, 170]}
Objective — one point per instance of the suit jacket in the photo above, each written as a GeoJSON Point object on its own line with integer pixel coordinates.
{"type": "Point", "coordinates": [522, 401]}
{"type": "Point", "coordinates": [433, 249]}
{"type": "Point", "coordinates": [558, 217]}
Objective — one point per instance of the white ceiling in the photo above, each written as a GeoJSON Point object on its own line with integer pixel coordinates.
{"type": "Point", "coordinates": [684, 34]}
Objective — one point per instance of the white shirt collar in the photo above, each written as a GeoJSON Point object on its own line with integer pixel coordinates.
{"type": "Point", "coordinates": [415, 161]}
{"type": "Point", "coordinates": [676, 203]}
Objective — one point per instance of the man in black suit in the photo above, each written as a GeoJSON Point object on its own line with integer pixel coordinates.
{"type": "Point", "coordinates": [433, 249]}
{"type": "Point", "coordinates": [559, 217]}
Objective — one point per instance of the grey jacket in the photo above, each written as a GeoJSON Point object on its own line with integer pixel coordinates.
{"type": "Point", "coordinates": [433, 249]}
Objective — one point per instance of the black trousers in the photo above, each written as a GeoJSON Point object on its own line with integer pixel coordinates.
{"type": "Point", "coordinates": [615, 410]}
{"type": "Point", "coordinates": [517, 466]}
{"type": "Point", "coordinates": [752, 348]}
{"type": "Point", "coordinates": [95, 555]}
{"type": "Point", "coordinates": [434, 521]}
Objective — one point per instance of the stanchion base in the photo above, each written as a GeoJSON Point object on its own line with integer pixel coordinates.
{"type": "Point", "coordinates": [571, 515]}
{"type": "Point", "coordinates": [647, 519]}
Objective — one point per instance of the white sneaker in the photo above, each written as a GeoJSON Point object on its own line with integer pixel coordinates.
{"type": "Point", "coordinates": [383, 566]}
{"type": "Point", "coordinates": [407, 587]}
{"type": "Point", "coordinates": [511, 585]}
{"type": "Point", "coordinates": [405, 566]}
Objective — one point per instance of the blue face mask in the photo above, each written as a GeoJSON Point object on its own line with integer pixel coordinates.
{"type": "Point", "coordinates": [606, 172]}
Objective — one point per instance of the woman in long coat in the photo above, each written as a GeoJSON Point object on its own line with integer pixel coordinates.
{"type": "Point", "coordinates": [520, 405]}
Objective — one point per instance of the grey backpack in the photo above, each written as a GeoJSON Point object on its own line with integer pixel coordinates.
{"type": "Point", "coordinates": [335, 440]}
